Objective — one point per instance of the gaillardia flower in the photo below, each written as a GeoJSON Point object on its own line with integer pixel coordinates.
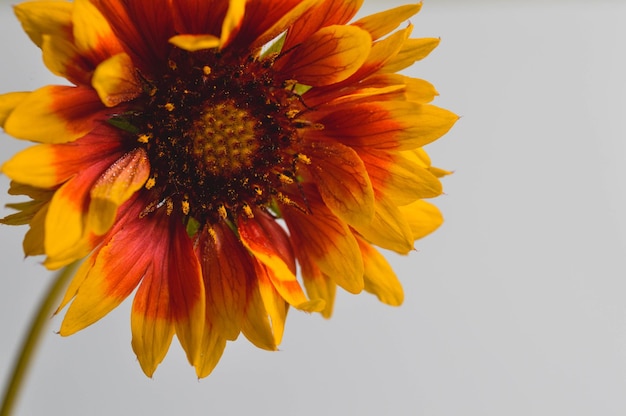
{"type": "Point", "coordinates": [205, 148]}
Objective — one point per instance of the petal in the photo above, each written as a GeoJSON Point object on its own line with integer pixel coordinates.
{"type": "Point", "coordinates": [321, 238]}
{"type": "Point", "coordinates": [151, 322]}
{"type": "Point", "coordinates": [186, 12]}
{"type": "Point", "coordinates": [186, 287]}
{"type": "Point", "coordinates": [143, 26]}
{"type": "Point", "coordinates": [44, 17]}
{"type": "Point", "coordinates": [8, 102]}
{"type": "Point", "coordinates": [318, 285]}
{"type": "Point", "coordinates": [211, 347]}
{"type": "Point", "coordinates": [423, 218]}
{"type": "Point", "coordinates": [413, 50]}
{"type": "Point", "coordinates": [47, 166]}
{"type": "Point", "coordinates": [330, 55]}
{"type": "Point", "coordinates": [342, 180]}
{"type": "Point", "coordinates": [55, 114]}
{"type": "Point", "coordinates": [92, 33]}
{"type": "Point", "coordinates": [228, 270]}
{"type": "Point", "coordinates": [194, 43]}
{"type": "Point", "coordinates": [266, 19]}
{"type": "Point", "coordinates": [380, 278]}
{"type": "Point", "coordinates": [379, 24]}
{"type": "Point", "coordinates": [266, 313]}
{"type": "Point", "coordinates": [116, 185]}
{"type": "Point", "coordinates": [389, 229]}
{"type": "Point", "coordinates": [399, 175]}
{"type": "Point", "coordinates": [107, 278]}
{"type": "Point", "coordinates": [324, 13]}
{"type": "Point", "coordinates": [270, 246]}
{"type": "Point", "coordinates": [391, 125]}
{"type": "Point", "coordinates": [232, 20]}
{"type": "Point", "coordinates": [116, 80]}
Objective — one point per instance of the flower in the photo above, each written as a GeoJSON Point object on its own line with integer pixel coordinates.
{"type": "Point", "coordinates": [204, 148]}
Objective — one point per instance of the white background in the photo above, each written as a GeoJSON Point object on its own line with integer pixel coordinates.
{"type": "Point", "coordinates": [516, 306]}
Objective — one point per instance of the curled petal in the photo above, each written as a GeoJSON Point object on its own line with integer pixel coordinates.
{"type": "Point", "coordinates": [116, 185]}
{"type": "Point", "coordinates": [116, 81]}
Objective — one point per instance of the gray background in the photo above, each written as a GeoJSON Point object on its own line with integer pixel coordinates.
{"type": "Point", "coordinates": [516, 306]}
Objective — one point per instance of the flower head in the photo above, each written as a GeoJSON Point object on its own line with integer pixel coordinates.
{"type": "Point", "coordinates": [205, 148]}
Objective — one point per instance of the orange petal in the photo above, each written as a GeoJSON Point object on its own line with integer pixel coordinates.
{"type": "Point", "coordinates": [324, 13]}
{"type": "Point", "coordinates": [391, 125]}
{"type": "Point", "coordinates": [116, 185]}
{"type": "Point", "coordinates": [227, 268]}
{"type": "Point", "coordinates": [399, 175]}
{"type": "Point", "coordinates": [379, 24]}
{"type": "Point", "coordinates": [380, 278]}
{"type": "Point", "coordinates": [63, 114]}
{"type": "Point", "coordinates": [342, 180]}
{"type": "Point", "coordinates": [264, 20]}
{"type": "Point", "coordinates": [319, 237]}
{"type": "Point", "coordinates": [329, 56]}
{"type": "Point", "coordinates": [116, 81]}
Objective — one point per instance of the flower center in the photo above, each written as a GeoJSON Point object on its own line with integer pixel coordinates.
{"type": "Point", "coordinates": [224, 139]}
{"type": "Point", "coordinates": [220, 132]}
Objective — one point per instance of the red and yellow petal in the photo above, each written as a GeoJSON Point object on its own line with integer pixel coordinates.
{"type": "Point", "coordinates": [270, 246]}
{"type": "Point", "coordinates": [387, 125]}
{"type": "Point", "coordinates": [324, 13]}
{"type": "Point", "coordinates": [266, 19]}
{"type": "Point", "coordinates": [379, 277]}
{"type": "Point", "coordinates": [62, 114]}
{"type": "Point", "coordinates": [93, 35]}
{"type": "Point", "coordinates": [399, 175]}
{"type": "Point", "coordinates": [324, 240]}
{"type": "Point", "coordinates": [330, 55]}
{"type": "Point", "coordinates": [227, 269]}
{"type": "Point", "coordinates": [341, 179]}
{"type": "Point", "coordinates": [49, 165]}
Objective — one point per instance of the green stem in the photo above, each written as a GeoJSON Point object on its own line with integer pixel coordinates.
{"type": "Point", "coordinates": [33, 337]}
